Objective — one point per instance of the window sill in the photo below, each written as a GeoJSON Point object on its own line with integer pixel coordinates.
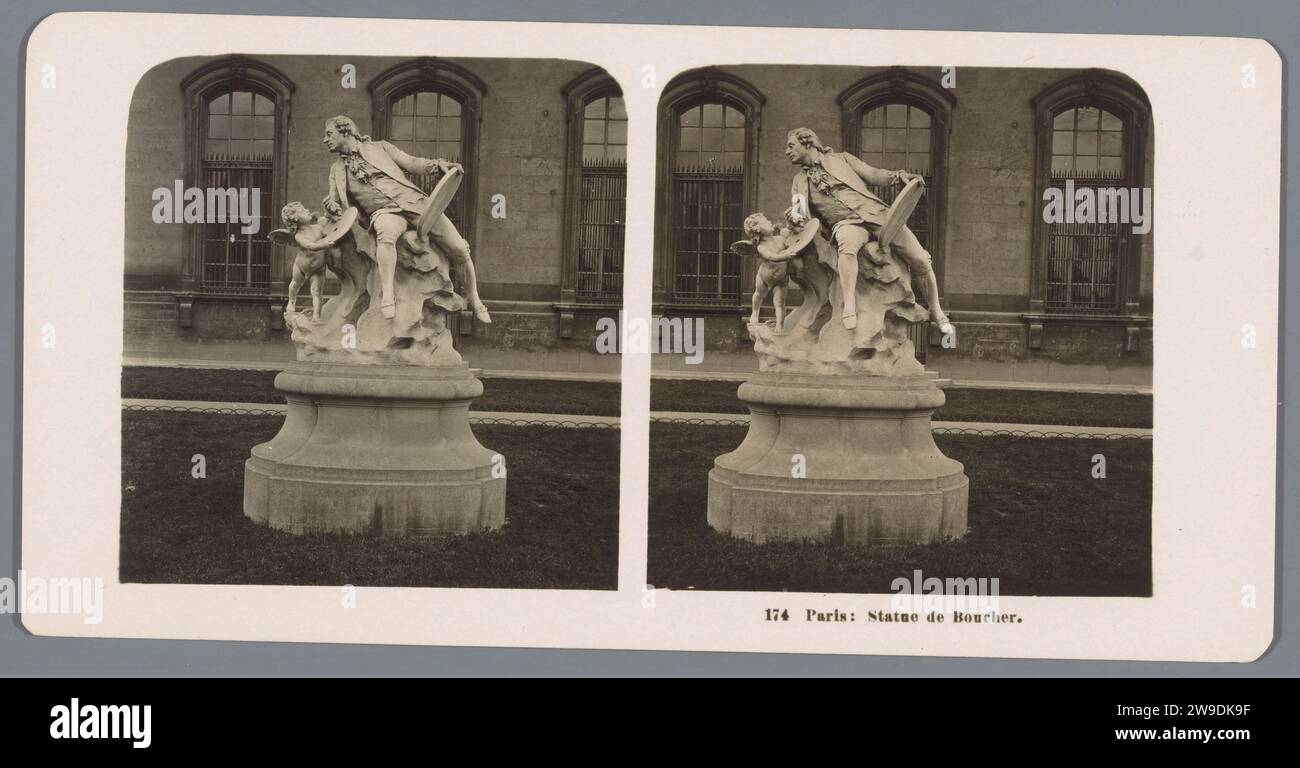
{"type": "Point", "coordinates": [721, 307]}
{"type": "Point", "coordinates": [1133, 325]}
{"type": "Point", "coordinates": [185, 304]}
{"type": "Point", "coordinates": [568, 311]}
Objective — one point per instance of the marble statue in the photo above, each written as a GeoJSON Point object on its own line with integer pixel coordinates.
{"type": "Point", "coordinates": [377, 437]}
{"type": "Point", "coordinates": [313, 235]}
{"type": "Point", "coordinates": [858, 298]}
{"type": "Point", "coordinates": [396, 267]}
{"type": "Point", "coordinates": [778, 250]}
{"type": "Point", "coordinates": [833, 186]}
{"type": "Point", "coordinates": [839, 394]}
{"type": "Point", "coordinates": [370, 175]}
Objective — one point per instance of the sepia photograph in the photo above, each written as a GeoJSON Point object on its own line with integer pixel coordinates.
{"type": "Point", "coordinates": [360, 298]}
{"type": "Point", "coordinates": [651, 337]}
{"type": "Point", "coordinates": [926, 295]}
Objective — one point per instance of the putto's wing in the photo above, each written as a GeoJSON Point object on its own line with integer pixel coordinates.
{"type": "Point", "coordinates": [280, 237]}
{"type": "Point", "coordinates": [744, 248]}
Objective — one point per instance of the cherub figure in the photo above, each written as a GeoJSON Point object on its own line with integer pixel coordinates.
{"type": "Point", "coordinates": [777, 256]}
{"type": "Point", "coordinates": [313, 235]}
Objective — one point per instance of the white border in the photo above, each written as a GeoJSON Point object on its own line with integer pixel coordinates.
{"type": "Point", "coordinates": [1217, 163]}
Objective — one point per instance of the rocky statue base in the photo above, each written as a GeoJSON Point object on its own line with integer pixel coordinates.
{"type": "Point", "coordinates": [376, 449]}
{"type": "Point", "coordinates": [842, 459]}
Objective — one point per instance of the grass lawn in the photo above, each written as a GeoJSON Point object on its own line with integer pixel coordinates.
{"type": "Point", "coordinates": [997, 405]}
{"type": "Point", "coordinates": [1038, 521]}
{"type": "Point", "coordinates": [561, 527]}
{"type": "Point", "coordinates": [579, 398]}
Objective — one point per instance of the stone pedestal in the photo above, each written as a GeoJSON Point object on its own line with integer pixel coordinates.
{"type": "Point", "coordinates": [871, 473]}
{"type": "Point", "coordinates": [376, 449]}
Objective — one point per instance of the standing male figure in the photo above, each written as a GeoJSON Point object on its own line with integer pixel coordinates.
{"type": "Point", "coordinates": [370, 175]}
{"type": "Point", "coordinates": [834, 186]}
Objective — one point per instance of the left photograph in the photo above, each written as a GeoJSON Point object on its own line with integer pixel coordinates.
{"type": "Point", "coordinates": [362, 298]}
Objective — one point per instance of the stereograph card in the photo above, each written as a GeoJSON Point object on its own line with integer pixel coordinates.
{"type": "Point", "coordinates": [650, 337]}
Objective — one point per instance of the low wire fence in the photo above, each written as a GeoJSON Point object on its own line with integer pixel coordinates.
{"type": "Point", "coordinates": [574, 421]}
{"type": "Point", "coordinates": [983, 431]}
{"type": "Point", "coordinates": [484, 418]}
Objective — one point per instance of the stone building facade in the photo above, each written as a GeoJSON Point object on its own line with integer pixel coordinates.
{"type": "Point", "coordinates": [543, 205]}
{"type": "Point", "coordinates": [544, 144]}
{"type": "Point", "coordinates": [1030, 299]}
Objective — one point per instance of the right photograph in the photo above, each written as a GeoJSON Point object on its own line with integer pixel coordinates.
{"type": "Point", "coordinates": [925, 302]}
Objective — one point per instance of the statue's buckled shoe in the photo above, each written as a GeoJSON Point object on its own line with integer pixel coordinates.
{"type": "Point", "coordinates": [941, 320]}
{"type": "Point", "coordinates": [481, 313]}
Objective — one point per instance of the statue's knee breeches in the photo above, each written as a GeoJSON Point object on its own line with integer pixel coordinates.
{"type": "Point", "coordinates": [910, 250]}
{"type": "Point", "coordinates": [388, 228]}
{"type": "Point", "coordinates": [444, 235]}
{"type": "Point", "coordinates": [456, 256]}
{"type": "Point", "coordinates": [849, 241]}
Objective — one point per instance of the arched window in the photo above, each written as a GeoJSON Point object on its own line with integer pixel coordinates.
{"type": "Point", "coordinates": [430, 108]}
{"type": "Point", "coordinates": [604, 130]}
{"type": "Point", "coordinates": [238, 117]}
{"type": "Point", "coordinates": [241, 123]}
{"type": "Point", "coordinates": [238, 154]}
{"type": "Point", "coordinates": [896, 135]}
{"type": "Point", "coordinates": [1085, 261]}
{"type": "Point", "coordinates": [428, 123]}
{"type": "Point", "coordinates": [898, 120]}
{"type": "Point", "coordinates": [1092, 132]}
{"type": "Point", "coordinates": [596, 193]}
{"type": "Point", "coordinates": [708, 143]}
{"type": "Point", "coordinates": [708, 207]}
{"type": "Point", "coordinates": [1087, 143]}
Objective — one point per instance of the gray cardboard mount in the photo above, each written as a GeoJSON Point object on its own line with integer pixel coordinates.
{"type": "Point", "coordinates": [22, 654]}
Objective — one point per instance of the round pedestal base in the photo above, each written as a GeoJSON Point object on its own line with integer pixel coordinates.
{"type": "Point", "coordinates": [384, 450]}
{"type": "Point", "coordinates": [844, 459]}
